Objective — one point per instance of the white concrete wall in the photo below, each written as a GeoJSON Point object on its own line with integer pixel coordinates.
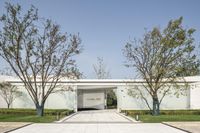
{"type": "Point", "coordinates": [67, 100]}
{"type": "Point", "coordinates": [60, 100]}
{"type": "Point", "coordinates": [2, 103]}
{"type": "Point", "coordinates": [195, 96]}
{"type": "Point", "coordinates": [127, 102]}
{"type": "Point", "coordinates": [21, 102]}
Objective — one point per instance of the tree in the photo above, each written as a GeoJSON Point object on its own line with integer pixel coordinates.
{"type": "Point", "coordinates": [9, 93]}
{"type": "Point", "coordinates": [162, 58]}
{"type": "Point", "coordinates": [7, 71]}
{"type": "Point", "coordinates": [100, 69]}
{"type": "Point", "coordinates": [37, 51]}
{"type": "Point", "coordinates": [101, 72]}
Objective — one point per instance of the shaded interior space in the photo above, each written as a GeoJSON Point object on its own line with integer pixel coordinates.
{"type": "Point", "coordinates": [96, 98]}
{"type": "Point", "coordinates": [86, 109]}
{"type": "Point", "coordinates": [111, 99]}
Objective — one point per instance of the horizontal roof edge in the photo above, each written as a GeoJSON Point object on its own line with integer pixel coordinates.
{"type": "Point", "coordinates": [190, 79]}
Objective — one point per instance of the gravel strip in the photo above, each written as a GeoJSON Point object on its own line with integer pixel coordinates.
{"type": "Point", "coordinates": [191, 127]}
{"type": "Point", "coordinates": [10, 126]}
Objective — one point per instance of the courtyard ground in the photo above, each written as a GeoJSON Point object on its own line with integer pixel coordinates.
{"type": "Point", "coordinates": [98, 128]}
{"type": "Point", "coordinates": [97, 122]}
{"type": "Point", "coordinates": [98, 116]}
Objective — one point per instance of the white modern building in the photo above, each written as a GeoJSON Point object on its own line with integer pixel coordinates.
{"type": "Point", "coordinates": [90, 93]}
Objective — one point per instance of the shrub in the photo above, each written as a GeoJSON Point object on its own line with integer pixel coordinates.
{"type": "Point", "coordinates": [163, 112]}
{"type": "Point", "coordinates": [33, 112]}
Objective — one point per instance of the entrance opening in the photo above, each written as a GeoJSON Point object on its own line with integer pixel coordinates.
{"type": "Point", "coordinates": [91, 99]}
{"type": "Point", "coordinates": [111, 99]}
{"type": "Point", "coordinates": [86, 109]}
{"type": "Point", "coordinates": [96, 98]}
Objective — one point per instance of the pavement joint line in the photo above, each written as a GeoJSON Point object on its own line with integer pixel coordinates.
{"type": "Point", "coordinates": [18, 128]}
{"type": "Point", "coordinates": [176, 127]}
{"type": "Point", "coordinates": [126, 117]}
{"type": "Point", "coordinates": [65, 118]}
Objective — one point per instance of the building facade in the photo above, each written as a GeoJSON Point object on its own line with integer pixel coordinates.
{"type": "Point", "coordinates": [91, 93]}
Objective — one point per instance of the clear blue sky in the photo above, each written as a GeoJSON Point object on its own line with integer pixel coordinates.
{"type": "Point", "coordinates": [106, 25]}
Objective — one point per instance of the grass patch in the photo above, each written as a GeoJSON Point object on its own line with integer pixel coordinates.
{"type": "Point", "coordinates": [167, 118]}
{"type": "Point", "coordinates": [29, 115]}
{"type": "Point", "coordinates": [27, 118]}
{"type": "Point", "coordinates": [163, 112]}
{"type": "Point", "coordinates": [165, 115]}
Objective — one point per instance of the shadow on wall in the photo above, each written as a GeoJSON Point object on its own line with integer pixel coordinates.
{"type": "Point", "coordinates": [23, 101]}
{"type": "Point", "coordinates": [69, 99]}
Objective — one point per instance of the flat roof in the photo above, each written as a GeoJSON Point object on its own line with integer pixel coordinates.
{"type": "Point", "coordinates": [189, 79]}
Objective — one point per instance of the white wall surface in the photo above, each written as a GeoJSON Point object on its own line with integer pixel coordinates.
{"type": "Point", "coordinates": [2, 103]}
{"type": "Point", "coordinates": [64, 100]}
{"type": "Point", "coordinates": [24, 101]}
{"type": "Point", "coordinates": [127, 102]}
{"type": "Point", "coordinates": [67, 100]}
{"type": "Point", "coordinates": [195, 96]}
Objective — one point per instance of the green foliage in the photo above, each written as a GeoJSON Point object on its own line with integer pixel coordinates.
{"type": "Point", "coordinates": [166, 118]}
{"type": "Point", "coordinates": [28, 115]}
{"type": "Point", "coordinates": [163, 112]}
{"type": "Point", "coordinates": [111, 99]}
{"type": "Point", "coordinates": [37, 50]}
{"type": "Point", "coordinates": [32, 111]}
{"type": "Point", "coordinates": [162, 58]}
{"type": "Point", "coordinates": [27, 118]}
{"type": "Point", "coordinates": [165, 115]}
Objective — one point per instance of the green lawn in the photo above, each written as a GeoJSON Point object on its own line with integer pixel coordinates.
{"type": "Point", "coordinates": [165, 115]}
{"type": "Point", "coordinates": [29, 115]}
{"type": "Point", "coordinates": [26, 118]}
{"type": "Point", "coordinates": [166, 118]}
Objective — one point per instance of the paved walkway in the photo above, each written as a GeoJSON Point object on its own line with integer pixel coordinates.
{"type": "Point", "coordinates": [103, 116]}
{"type": "Point", "coordinates": [98, 122]}
{"type": "Point", "coordinates": [98, 128]}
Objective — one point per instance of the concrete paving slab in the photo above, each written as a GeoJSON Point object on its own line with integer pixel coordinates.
{"type": "Point", "coordinates": [193, 127]}
{"type": "Point", "coordinates": [100, 116]}
{"type": "Point", "coordinates": [98, 128]}
{"type": "Point", "coordinates": [103, 121]}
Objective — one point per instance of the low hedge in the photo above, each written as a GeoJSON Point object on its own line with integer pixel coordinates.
{"type": "Point", "coordinates": [162, 112]}
{"type": "Point", "coordinates": [33, 111]}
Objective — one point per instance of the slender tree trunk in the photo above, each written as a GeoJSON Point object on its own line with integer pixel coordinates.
{"type": "Point", "coordinates": [8, 106]}
{"type": "Point", "coordinates": [40, 110]}
{"type": "Point", "coordinates": [156, 106]}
